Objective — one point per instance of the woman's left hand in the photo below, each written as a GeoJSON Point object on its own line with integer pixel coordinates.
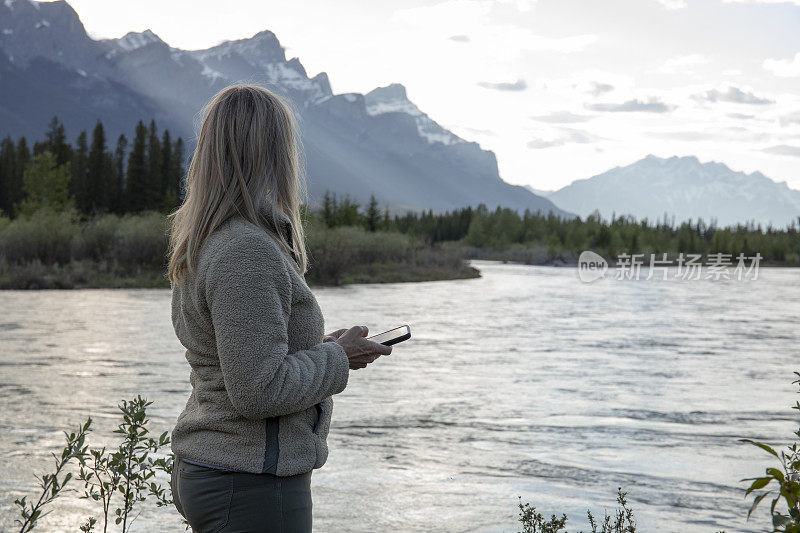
{"type": "Point", "coordinates": [333, 337]}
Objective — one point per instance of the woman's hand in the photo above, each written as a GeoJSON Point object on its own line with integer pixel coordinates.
{"type": "Point", "coordinates": [331, 337]}
{"type": "Point", "coordinates": [359, 350]}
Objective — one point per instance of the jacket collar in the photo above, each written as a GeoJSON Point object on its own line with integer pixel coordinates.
{"type": "Point", "coordinates": [270, 213]}
{"type": "Point", "coordinates": [272, 216]}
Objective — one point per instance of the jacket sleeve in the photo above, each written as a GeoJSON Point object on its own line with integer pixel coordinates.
{"type": "Point", "coordinates": [249, 291]}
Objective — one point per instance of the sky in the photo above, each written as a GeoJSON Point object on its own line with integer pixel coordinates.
{"type": "Point", "coordinates": [559, 89]}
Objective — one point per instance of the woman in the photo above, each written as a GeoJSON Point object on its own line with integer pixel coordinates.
{"type": "Point", "coordinates": [262, 373]}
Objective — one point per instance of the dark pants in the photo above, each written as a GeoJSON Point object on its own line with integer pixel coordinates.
{"type": "Point", "coordinates": [215, 501]}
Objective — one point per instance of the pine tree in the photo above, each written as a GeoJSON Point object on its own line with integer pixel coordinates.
{"type": "Point", "coordinates": [169, 174]}
{"type": "Point", "coordinates": [329, 209]}
{"type": "Point", "coordinates": [117, 203]}
{"type": "Point", "coordinates": [136, 182]}
{"type": "Point", "coordinates": [386, 220]}
{"type": "Point", "coordinates": [348, 212]}
{"type": "Point", "coordinates": [154, 168]}
{"type": "Point", "coordinates": [80, 175]}
{"type": "Point", "coordinates": [55, 142]}
{"type": "Point", "coordinates": [21, 161]}
{"type": "Point", "coordinates": [178, 170]}
{"type": "Point", "coordinates": [10, 189]}
{"type": "Point", "coordinates": [100, 169]}
{"type": "Point", "coordinates": [373, 214]}
{"type": "Point", "coordinates": [166, 162]}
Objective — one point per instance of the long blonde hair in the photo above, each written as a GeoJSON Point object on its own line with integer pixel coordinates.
{"type": "Point", "coordinates": [247, 162]}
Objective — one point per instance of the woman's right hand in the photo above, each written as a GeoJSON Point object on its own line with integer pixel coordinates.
{"type": "Point", "coordinates": [359, 350]}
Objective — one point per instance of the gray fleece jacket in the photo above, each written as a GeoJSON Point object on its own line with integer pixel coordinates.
{"type": "Point", "coordinates": [262, 379]}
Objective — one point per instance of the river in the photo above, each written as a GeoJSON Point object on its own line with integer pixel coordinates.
{"type": "Point", "coordinates": [524, 382]}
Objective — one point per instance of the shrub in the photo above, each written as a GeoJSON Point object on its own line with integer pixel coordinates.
{"type": "Point", "coordinates": [118, 479]}
{"type": "Point", "coordinates": [50, 249]}
{"type": "Point", "coordinates": [45, 235]}
{"type": "Point", "coordinates": [622, 521]}
{"type": "Point", "coordinates": [334, 251]}
{"type": "Point", "coordinates": [141, 241]}
{"type": "Point", "coordinates": [97, 238]}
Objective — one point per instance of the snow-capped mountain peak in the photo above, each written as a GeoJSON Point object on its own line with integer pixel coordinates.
{"type": "Point", "coordinates": [262, 54]}
{"type": "Point", "coordinates": [393, 99]}
{"type": "Point", "coordinates": [135, 40]}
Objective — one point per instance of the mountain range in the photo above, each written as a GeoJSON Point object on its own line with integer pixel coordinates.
{"type": "Point", "coordinates": [358, 144]}
{"type": "Point", "coordinates": [682, 188]}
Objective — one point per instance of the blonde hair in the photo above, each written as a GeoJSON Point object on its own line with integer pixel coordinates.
{"type": "Point", "coordinates": [247, 162]}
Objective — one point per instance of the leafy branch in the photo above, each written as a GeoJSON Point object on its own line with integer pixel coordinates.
{"type": "Point", "coordinates": [118, 479]}
{"type": "Point", "coordinates": [129, 471]}
{"type": "Point", "coordinates": [622, 521]}
{"type": "Point", "coordinates": [787, 479]}
{"type": "Point", "coordinates": [53, 484]}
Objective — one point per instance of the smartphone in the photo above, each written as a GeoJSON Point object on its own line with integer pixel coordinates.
{"type": "Point", "coordinates": [393, 336]}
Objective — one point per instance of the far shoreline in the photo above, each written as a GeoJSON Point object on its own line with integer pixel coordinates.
{"type": "Point", "coordinates": [363, 275]}
{"type": "Point", "coordinates": [74, 277]}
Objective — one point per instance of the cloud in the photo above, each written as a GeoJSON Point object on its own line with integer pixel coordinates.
{"type": "Point", "coordinates": [783, 149]}
{"type": "Point", "coordinates": [527, 40]}
{"type": "Point", "coordinates": [524, 5]}
{"type": "Point", "coordinates": [682, 64]}
{"type": "Point", "coordinates": [681, 135]}
{"type": "Point", "coordinates": [477, 131]}
{"type": "Point", "coordinates": [520, 5]}
{"type": "Point", "coordinates": [447, 14]}
{"type": "Point", "coordinates": [673, 4]}
{"type": "Point", "coordinates": [599, 88]}
{"type": "Point", "coordinates": [653, 105]}
{"type": "Point", "coordinates": [733, 95]}
{"type": "Point", "coordinates": [795, 2]}
{"type": "Point", "coordinates": [519, 85]}
{"type": "Point", "coordinates": [784, 68]}
{"type": "Point", "coordinates": [567, 136]}
{"type": "Point", "coordinates": [561, 117]}
{"type": "Point", "coordinates": [459, 38]}
{"type": "Point", "coordinates": [473, 18]}
{"type": "Point", "coordinates": [741, 116]}
{"type": "Point", "coordinates": [791, 118]}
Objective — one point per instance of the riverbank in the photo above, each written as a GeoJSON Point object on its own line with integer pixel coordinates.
{"type": "Point", "coordinates": [57, 250]}
{"type": "Point", "coordinates": [60, 250]}
{"type": "Point", "coordinates": [539, 255]}
{"type": "Point", "coordinates": [99, 275]}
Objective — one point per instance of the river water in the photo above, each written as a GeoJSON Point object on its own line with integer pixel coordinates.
{"type": "Point", "coordinates": [525, 382]}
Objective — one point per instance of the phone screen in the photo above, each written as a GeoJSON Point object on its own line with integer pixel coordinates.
{"type": "Point", "coordinates": [393, 336]}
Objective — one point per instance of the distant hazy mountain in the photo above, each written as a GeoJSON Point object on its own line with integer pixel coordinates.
{"type": "Point", "coordinates": [541, 192]}
{"type": "Point", "coordinates": [683, 188]}
{"type": "Point", "coordinates": [379, 143]}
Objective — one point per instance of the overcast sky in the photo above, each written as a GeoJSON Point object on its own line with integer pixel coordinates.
{"type": "Point", "coordinates": [558, 89]}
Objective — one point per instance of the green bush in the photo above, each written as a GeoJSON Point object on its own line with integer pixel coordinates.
{"type": "Point", "coordinates": [45, 235]}
{"type": "Point", "coordinates": [141, 241]}
{"type": "Point", "coordinates": [49, 249]}
{"type": "Point", "coordinates": [97, 239]}
{"type": "Point", "coordinates": [335, 251]}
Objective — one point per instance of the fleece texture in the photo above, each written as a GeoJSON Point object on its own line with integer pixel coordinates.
{"type": "Point", "coordinates": [262, 379]}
